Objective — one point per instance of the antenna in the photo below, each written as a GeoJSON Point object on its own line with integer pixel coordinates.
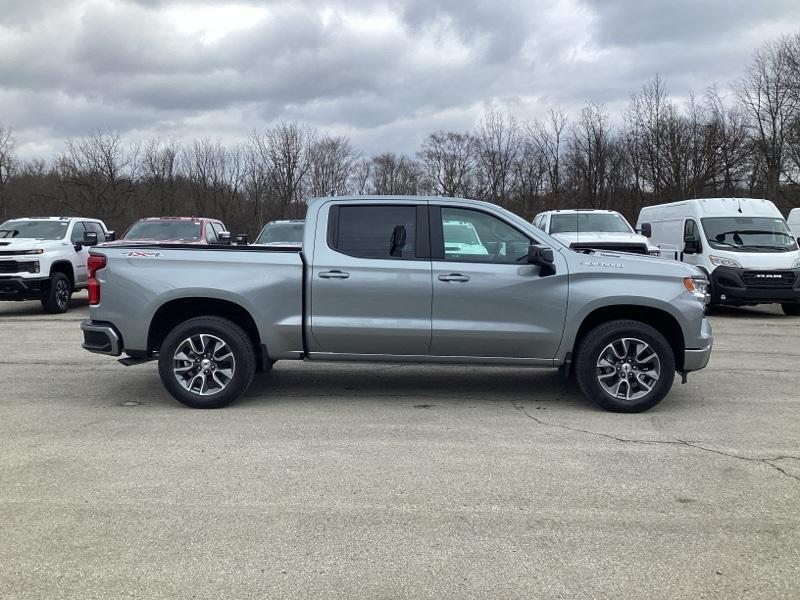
{"type": "Point", "coordinates": [739, 202]}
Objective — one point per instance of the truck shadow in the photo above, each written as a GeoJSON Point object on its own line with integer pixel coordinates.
{"type": "Point", "coordinates": [765, 311]}
{"type": "Point", "coordinates": [33, 308]}
{"type": "Point", "coordinates": [423, 384]}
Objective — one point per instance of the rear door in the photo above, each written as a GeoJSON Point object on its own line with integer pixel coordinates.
{"type": "Point", "coordinates": [487, 300]}
{"type": "Point", "coordinates": [371, 280]}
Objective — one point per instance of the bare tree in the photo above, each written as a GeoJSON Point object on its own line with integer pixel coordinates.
{"type": "Point", "coordinates": [392, 174]}
{"type": "Point", "coordinates": [7, 162]}
{"type": "Point", "coordinates": [285, 152]}
{"type": "Point", "coordinates": [549, 136]}
{"type": "Point", "coordinates": [498, 145]}
{"type": "Point", "coordinates": [768, 95]}
{"type": "Point", "coordinates": [732, 147]}
{"type": "Point", "coordinates": [331, 162]}
{"type": "Point", "coordinates": [590, 156]}
{"type": "Point", "coordinates": [449, 162]}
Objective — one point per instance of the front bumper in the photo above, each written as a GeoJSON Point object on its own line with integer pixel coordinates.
{"type": "Point", "coordinates": [23, 288]}
{"type": "Point", "coordinates": [752, 286]}
{"type": "Point", "coordinates": [695, 359]}
{"type": "Point", "coordinates": [101, 338]}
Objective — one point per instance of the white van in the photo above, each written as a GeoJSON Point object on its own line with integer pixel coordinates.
{"type": "Point", "coordinates": [743, 244]}
{"type": "Point", "coordinates": [794, 222]}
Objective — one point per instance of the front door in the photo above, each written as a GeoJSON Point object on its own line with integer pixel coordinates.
{"type": "Point", "coordinates": [487, 300]}
{"type": "Point", "coordinates": [371, 280]}
{"type": "Point", "coordinates": [79, 257]}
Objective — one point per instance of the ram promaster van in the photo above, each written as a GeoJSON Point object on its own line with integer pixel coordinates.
{"type": "Point", "coordinates": [743, 244]}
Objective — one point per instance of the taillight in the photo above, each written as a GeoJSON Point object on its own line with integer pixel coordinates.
{"type": "Point", "coordinates": [93, 265]}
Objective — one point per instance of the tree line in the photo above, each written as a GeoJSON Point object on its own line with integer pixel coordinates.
{"type": "Point", "coordinates": [744, 142]}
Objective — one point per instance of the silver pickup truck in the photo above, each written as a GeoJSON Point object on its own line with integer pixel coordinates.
{"type": "Point", "coordinates": [402, 279]}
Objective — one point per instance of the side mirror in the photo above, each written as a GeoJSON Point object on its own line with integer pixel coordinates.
{"type": "Point", "coordinates": [224, 237]}
{"type": "Point", "coordinates": [691, 246]}
{"type": "Point", "coordinates": [542, 256]}
{"type": "Point", "coordinates": [647, 230]}
{"type": "Point", "coordinates": [111, 236]}
{"type": "Point", "coordinates": [241, 239]}
{"type": "Point", "coordinates": [89, 238]}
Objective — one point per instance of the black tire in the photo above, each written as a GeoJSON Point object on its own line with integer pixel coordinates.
{"type": "Point", "coordinates": [594, 347]}
{"type": "Point", "coordinates": [58, 294]}
{"type": "Point", "coordinates": [791, 310]}
{"type": "Point", "coordinates": [243, 361]}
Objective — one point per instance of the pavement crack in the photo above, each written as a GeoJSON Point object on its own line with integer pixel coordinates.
{"type": "Point", "coordinates": [770, 462]}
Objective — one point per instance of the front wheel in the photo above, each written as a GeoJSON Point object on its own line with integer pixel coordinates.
{"type": "Point", "coordinates": [207, 362]}
{"type": "Point", "coordinates": [791, 310]}
{"type": "Point", "coordinates": [56, 300]}
{"type": "Point", "coordinates": [625, 366]}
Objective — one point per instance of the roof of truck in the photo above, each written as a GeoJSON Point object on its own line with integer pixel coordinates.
{"type": "Point", "coordinates": [714, 206]}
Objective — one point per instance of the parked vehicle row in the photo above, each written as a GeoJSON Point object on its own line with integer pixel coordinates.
{"type": "Point", "coordinates": [401, 279]}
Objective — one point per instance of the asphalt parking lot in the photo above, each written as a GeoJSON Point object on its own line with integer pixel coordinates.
{"type": "Point", "coordinates": [353, 481]}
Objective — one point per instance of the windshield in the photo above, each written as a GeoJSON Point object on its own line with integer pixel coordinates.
{"type": "Point", "coordinates": [164, 230]}
{"type": "Point", "coordinates": [460, 233]}
{"type": "Point", "coordinates": [281, 232]}
{"type": "Point", "coordinates": [590, 222]}
{"type": "Point", "coordinates": [40, 230]}
{"type": "Point", "coordinates": [749, 234]}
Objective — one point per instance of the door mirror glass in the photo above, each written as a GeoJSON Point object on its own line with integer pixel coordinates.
{"type": "Point", "coordinates": [647, 230]}
{"type": "Point", "coordinates": [89, 238]}
{"type": "Point", "coordinates": [691, 246]}
{"type": "Point", "coordinates": [111, 236]}
{"type": "Point", "coordinates": [224, 237]}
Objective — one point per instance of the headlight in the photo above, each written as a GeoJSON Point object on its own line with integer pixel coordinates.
{"type": "Point", "coordinates": [724, 262]}
{"type": "Point", "coordinates": [795, 264]}
{"type": "Point", "coordinates": [697, 286]}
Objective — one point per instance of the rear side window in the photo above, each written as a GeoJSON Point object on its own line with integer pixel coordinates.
{"type": "Point", "coordinates": [211, 237]}
{"type": "Point", "coordinates": [374, 231]}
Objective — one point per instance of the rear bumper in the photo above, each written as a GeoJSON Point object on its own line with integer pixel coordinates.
{"type": "Point", "coordinates": [695, 359]}
{"type": "Point", "coordinates": [746, 286]}
{"type": "Point", "coordinates": [101, 338]}
{"type": "Point", "coordinates": [23, 288]}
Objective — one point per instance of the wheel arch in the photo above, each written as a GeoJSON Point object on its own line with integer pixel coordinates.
{"type": "Point", "coordinates": [179, 310]}
{"type": "Point", "coordinates": [661, 320]}
{"type": "Point", "coordinates": [65, 267]}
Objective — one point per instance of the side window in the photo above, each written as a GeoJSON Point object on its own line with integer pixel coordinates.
{"type": "Point", "coordinates": [690, 230]}
{"type": "Point", "coordinates": [374, 231]}
{"type": "Point", "coordinates": [218, 228]}
{"type": "Point", "coordinates": [211, 235]}
{"type": "Point", "coordinates": [474, 236]}
{"type": "Point", "coordinates": [77, 233]}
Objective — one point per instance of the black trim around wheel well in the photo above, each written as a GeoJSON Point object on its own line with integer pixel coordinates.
{"type": "Point", "coordinates": [659, 319]}
{"type": "Point", "coordinates": [65, 267]}
{"type": "Point", "coordinates": [182, 309]}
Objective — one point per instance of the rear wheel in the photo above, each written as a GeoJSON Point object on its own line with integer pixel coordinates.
{"type": "Point", "coordinates": [625, 366]}
{"type": "Point", "coordinates": [791, 310]}
{"type": "Point", "coordinates": [58, 294]}
{"type": "Point", "coordinates": [207, 362]}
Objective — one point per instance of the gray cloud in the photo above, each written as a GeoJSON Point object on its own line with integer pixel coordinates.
{"type": "Point", "coordinates": [385, 72]}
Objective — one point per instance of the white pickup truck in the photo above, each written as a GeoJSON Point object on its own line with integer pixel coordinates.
{"type": "Point", "coordinates": [44, 258]}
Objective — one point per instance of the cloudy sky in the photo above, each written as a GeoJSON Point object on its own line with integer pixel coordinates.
{"type": "Point", "coordinates": [384, 72]}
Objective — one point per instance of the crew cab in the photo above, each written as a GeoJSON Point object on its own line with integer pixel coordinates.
{"type": "Point", "coordinates": [188, 230]}
{"type": "Point", "coordinates": [44, 258]}
{"type": "Point", "coordinates": [380, 279]}
{"type": "Point", "coordinates": [593, 229]}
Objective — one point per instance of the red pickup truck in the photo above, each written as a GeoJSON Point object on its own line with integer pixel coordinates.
{"type": "Point", "coordinates": [187, 230]}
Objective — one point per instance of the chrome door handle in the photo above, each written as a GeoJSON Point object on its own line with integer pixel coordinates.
{"type": "Point", "coordinates": [334, 275]}
{"type": "Point", "coordinates": [454, 277]}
